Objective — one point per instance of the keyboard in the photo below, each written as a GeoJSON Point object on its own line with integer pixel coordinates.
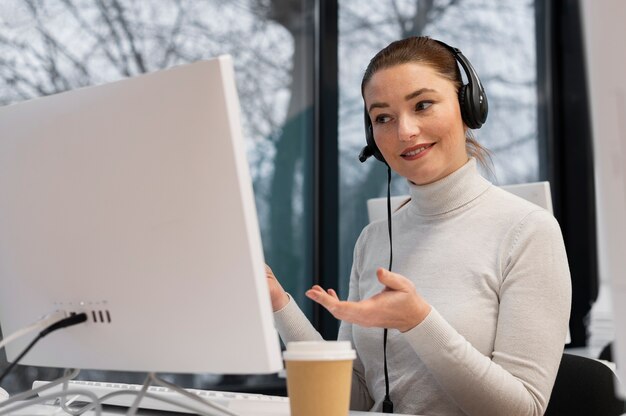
{"type": "Point", "coordinates": [243, 404]}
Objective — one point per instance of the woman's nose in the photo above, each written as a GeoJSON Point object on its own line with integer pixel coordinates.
{"type": "Point", "coordinates": [408, 128]}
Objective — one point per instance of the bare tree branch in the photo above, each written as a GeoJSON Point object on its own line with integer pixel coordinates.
{"type": "Point", "coordinates": [117, 38]}
{"type": "Point", "coordinates": [171, 39]}
{"type": "Point", "coordinates": [103, 43]}
{"type": "Point", "coordinates": [137, 58]}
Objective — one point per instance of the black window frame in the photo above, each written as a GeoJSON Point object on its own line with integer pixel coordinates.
{"type": "Point", "coordinates": [566, 155]}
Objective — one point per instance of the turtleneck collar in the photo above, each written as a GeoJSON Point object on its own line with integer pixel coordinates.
{"type": "Point", "coordinates": [449, 193]}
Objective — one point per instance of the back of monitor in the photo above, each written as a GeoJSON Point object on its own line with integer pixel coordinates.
{"type": "Point", "coordinates": [132, 202]}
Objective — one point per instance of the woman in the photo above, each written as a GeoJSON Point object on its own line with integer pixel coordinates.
{"type": "Point", "coordinates": [478, 302]}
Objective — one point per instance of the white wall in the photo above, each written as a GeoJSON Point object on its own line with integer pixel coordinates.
{"type": "Point", "coordinates": [605, 40]}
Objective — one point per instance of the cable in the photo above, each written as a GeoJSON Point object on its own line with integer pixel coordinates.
{"type": "Point", "coordinates": [200, 408]}
{"type": "Point", "coordinates": [68, 375]}
{"type": "Point", "coordinates": [389, 215]}
{"type": "Point", "coordinates": [42, 399]}
{"type": "Point", "coordinates": [19, 400]}
{"type": "Point", "coordinates": [387, 403]}
{"type": "Point", "coordinates": [63, 323]}
{"type": "Point", "coordinates": [132, 411]}
{"type": "Point", "coordinates": [39, 325]}
{"type": "Point", "coordinates": [192, 396]}
{"type": "Point", "coordinates": [102, 401]}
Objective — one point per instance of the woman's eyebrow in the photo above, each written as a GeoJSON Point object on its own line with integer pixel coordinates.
{"type": "Point", "coordinates": [406, 98]}
{"type": "Point", "coordinates": [418, 92]}
{"type": "Point", "coordinates": [377, 105]}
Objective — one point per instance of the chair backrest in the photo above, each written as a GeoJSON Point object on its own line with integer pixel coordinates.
{"type": "Point", "coordinates": [584, 386]}
{"type": "Point", "coordinates": [536, 192]}
{"type": "Point", "coordinates": [377, 207]}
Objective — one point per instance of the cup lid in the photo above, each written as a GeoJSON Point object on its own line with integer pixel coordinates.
{"type": "Point", "coordinates": [319, 351]}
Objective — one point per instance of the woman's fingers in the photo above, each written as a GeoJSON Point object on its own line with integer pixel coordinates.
{"type": "Point", "coordinates": [343, 310]}
{"type": "Point", "coordinates": [278, 296]}
{"type": "Point", "coordinates": [269, 273]}
{"type": "Point", "coordinates": [397, 306]}
{"type": "Point", "coordinates": [392, 280]}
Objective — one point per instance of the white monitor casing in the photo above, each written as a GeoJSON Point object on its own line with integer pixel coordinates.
{"type": "Point", "coordinates": [134, 199]}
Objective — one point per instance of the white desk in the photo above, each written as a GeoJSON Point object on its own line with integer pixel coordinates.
{"type": "Point", "coordinates": [47, 410]}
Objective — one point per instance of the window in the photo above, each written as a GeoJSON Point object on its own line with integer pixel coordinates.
{"type": "Point", "coordinates": [497, 37]}
{"type": "Point", "coordinates": [48, 47]}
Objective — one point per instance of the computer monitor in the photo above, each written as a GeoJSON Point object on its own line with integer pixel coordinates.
{"type": "Point", "coordinates": [132, 202]}
{"type": "Point", "coordinates": [606, 65]}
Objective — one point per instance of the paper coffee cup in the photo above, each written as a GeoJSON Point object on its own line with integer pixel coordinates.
{"type": "Point", "coordinates": [319, 377]}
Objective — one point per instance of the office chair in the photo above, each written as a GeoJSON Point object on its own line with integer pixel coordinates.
{"type": "Point", "coordinates": [584, 386]}
{"type": "Point", "coordinates": [607, 352]}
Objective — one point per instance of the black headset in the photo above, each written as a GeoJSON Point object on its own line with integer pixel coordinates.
{"type": "Point", "coordinates": [472, 100]}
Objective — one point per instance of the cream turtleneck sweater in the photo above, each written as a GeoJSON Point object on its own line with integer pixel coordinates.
{"type": "Point", "coordinates": [494, 269]}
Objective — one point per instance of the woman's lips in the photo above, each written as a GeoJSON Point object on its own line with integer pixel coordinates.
{"type": "Point", "coordinates": [416, 152]}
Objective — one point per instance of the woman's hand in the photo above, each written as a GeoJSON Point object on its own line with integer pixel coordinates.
{"type": "Point", "coordinates": [397, 306]}
{"type": "Point", "coordinates": [277, 294]}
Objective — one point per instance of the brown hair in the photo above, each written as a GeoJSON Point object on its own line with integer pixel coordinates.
{"type": "Point", "coordinates": [426, 51]}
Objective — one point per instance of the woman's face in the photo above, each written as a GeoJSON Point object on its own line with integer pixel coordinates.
{"type": "Point", "coordinates": [416, 121]}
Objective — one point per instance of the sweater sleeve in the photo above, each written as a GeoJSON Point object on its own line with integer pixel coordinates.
{"type": "Point", "coordinates": [535, 296]}
{"type": "Point", "coordinates": [293, 325]}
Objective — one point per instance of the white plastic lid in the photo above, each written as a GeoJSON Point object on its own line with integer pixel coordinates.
{"type": "Point", "coordinates": [319, 351]}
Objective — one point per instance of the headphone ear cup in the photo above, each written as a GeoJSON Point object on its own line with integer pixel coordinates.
{"type": "Point", "coordinates": [473, 109]}
{"type": "Point", "coordinates": [369, 138]}
{"type": "Point", "coordinates": [472, 98]}
{"type": "Point", "coordinates": [465, 106]}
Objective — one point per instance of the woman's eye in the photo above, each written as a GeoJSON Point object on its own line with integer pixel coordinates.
{"type": "Point", "coordinates": [423, 105]}
{"type": "Point", "coordinates": [382, 119]}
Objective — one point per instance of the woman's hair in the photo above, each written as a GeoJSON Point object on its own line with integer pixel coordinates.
{"type": "Point", "coordinates": [423, 50]}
